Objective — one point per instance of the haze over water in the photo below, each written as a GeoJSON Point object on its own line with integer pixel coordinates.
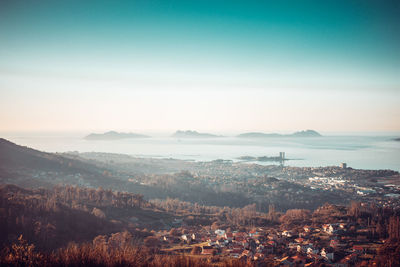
{"type": "Point", "coordinates": [362, 152]}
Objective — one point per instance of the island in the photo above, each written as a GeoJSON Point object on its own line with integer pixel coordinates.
{"type": "Point", "coordinates": [397, 139]}
{"type": "Point", "coordinates": [112, 135]}
{"type": "Point", "coordinates": [193, 134]}
{"type": "Point", "coordinates": [281, 158]}
{"type": "Point", "coordinates": [306, 133]}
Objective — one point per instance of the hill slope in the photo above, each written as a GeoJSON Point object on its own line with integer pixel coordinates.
{"type": "Point", "coordinates": [32, 168]}
{"type": "Point", "coordinates": [16, 156]}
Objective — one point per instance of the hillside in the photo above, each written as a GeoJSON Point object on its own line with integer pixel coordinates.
{"type": "Point", "coordinates": [13, 156]}
{"type": "Point", "coordinates": [33, 168]}
{"type": "Point", "coordinates": [53, 217]}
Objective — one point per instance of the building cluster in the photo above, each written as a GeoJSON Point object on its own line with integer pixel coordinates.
{"type": "Point", "coordinates": [339, 244]}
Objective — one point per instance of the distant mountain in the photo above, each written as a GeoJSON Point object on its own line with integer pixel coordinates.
{"type": "Point", "coordinates": [112, 135]}
{"type": "Point", "coordinates": [397, 139]}
{"type": "Point", "coordinates": [306, 133]}
{"type": "Point", "coordinates": [193, 134]}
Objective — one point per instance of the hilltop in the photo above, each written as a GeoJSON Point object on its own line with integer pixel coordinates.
{"type": "Point", "coordinates": [112, 135]}
{"type": "Point", "coordinates": [306, 133]}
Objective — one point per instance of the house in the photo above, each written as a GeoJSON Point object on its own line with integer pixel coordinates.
{"type": "Point", "coordinates": [332, 228]}
{"type": "Point", "coordinates": [220, 232]}
{"type": "Point", "coordinates": [258, 256]}
{"type": "Point", "coordinates": [234, 254]}
{"type": "Point", "coordinates": [247, 253]}
{"type": "Point", "coordinates": [287, 233]}
{"type": "Point", "coordinates": [327, 254]}
{"type": "Point", "coordinates": [311, 250]}
{"type": "Point", "coordinates": [328, 228]}
{"type": "Point", "coordinates": [196, 236]}
{"type": "Point", "coordinates": [244, 243]}
{"type": "Point", "coordinates": [186, 238]}
{"type": "Point", "coordinates": [253, 233]}
{"type": "Point", "coordinates": [299, 240]}
{"type": "Point", "coordinates": [212, 241]}
{"type": "Point", "coordinates": [260, 248]}
{"type": "Point", "coordinates": [308, 229]}
{"type": "Point", "coordinates": [229, 236]}
{"type": "Point", "coordinates": [304, 248]}
{"type": "Point", "coordinates": [222, 242]}
{"type": "Point", "coordinates": [239, 235]}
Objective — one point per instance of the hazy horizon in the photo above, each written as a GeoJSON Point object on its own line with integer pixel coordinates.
{"type": "Point", "coordinates": [210, 66]}
{"type": "Point", "coordinates": [168, 133]}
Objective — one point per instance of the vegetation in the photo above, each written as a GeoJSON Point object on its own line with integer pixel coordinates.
{"type": "Point", "coordinates": [74, 226]}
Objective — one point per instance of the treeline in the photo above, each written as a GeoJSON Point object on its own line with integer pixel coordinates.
{"type": "Point", "coordinates": [74, 195]}
{"type": "Point", "coordinates": [246, 216]}
{"type": "Point", "coordinates": [184, 186]}
{"type": "Point", "coordinates": [379, 222]}
{"type": "Point", "coordinates": [114, 251]}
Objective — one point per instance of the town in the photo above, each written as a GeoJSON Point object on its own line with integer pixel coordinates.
{"type": "Point", "coordinates": [209, 212]}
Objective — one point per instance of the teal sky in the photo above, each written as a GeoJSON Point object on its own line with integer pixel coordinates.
{"type": "Point", "coordinates": [206, 65]}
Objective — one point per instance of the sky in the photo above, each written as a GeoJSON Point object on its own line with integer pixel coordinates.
{"type": "Point", "coordinates": [216, 66]}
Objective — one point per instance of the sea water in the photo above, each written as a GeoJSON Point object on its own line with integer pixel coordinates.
{"type": "Point", "coordinates": [360, 152]}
